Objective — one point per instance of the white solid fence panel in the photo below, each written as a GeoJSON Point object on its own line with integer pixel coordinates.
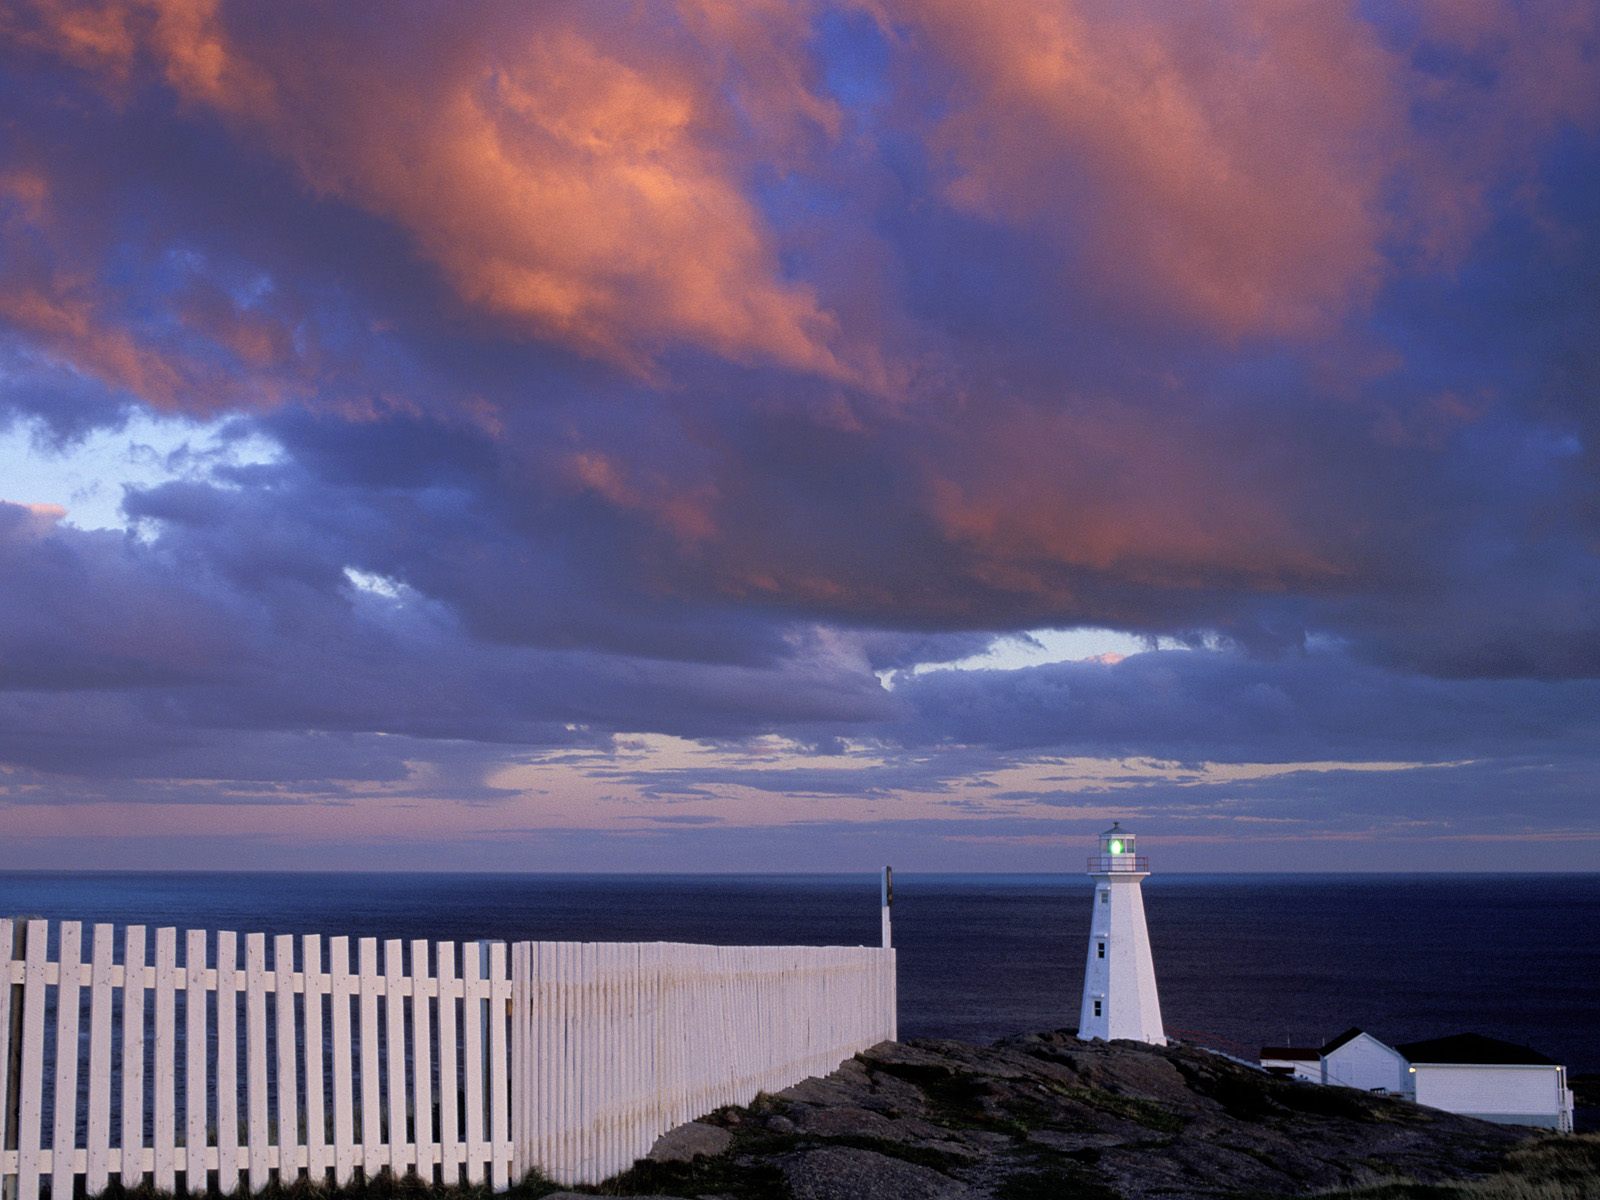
{"type": "Point", "coordinates": [478, 1066]}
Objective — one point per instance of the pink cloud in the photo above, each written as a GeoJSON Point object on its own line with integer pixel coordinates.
{"type": "Point", "coordinates": [577, 173]}
{"type": "Point", "coordinates": [1255, 168]}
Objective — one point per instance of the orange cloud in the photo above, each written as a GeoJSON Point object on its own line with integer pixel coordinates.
{"type": "Point", "coordinates": [1228, 161]}
{"type": "Point", "coordinates": [51, 290]}
{"type": "Point", "coordinates": [1039, 502]}
{"type": "Point", "coordinates": [1253, 168]}
{"type": "Point", "coordinates": [60, 306]}
{"type": "Point", "coordinates": [574, 171]}
{"type": "Point", "coordinates": [686, 510]}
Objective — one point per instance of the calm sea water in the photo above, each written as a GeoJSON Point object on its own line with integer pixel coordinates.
{"type": "Point", "coordinates": [1241, 959]}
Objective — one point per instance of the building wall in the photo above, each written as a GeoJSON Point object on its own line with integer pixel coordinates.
{"type": "Point", "coordinates": [1521, 1095]}
{"type": "Point", "coordinates": [1365, 1063]}
{"type": "Point", "coordinates": [1124, 979]}
{"type": "Point", "coordinates": [1300, 1068]}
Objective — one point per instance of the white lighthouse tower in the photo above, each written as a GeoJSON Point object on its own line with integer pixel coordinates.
{"type": "Point", "coordinates": [1119, 981]}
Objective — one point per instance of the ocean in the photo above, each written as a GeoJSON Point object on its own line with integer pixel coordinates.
{"type": "Point", "coordinates": [1241, 960]}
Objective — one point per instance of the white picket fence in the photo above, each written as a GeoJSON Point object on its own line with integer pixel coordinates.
{"type": "Point", "coordinates": [461, 1065]}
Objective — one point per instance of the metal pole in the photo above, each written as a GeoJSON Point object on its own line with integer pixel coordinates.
{"type": "Point", "coordinates": [888, 903]}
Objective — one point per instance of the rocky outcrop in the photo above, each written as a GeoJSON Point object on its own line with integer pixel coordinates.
{"type": "Point", "coordinates": [689, 1142]}
{"type": "Point", "coordinates": [1047, 1116]}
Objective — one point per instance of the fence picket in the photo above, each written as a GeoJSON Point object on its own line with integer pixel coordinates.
{"type": "Point", "coordinates": [227, 1062]}
{"type": "Point", "coordinates": [395, 1045]}
{"type": "Point", "coordinates": [64, 1137]}
{"type": "Point", "coordinates": [195, 1074]}
{"type": "Point", "coordinates": [584, 1081]}
{"type": "Point", "coordinates": [520, 971]}
{"type": "Point", "coordinates": [255, 1070]}
{"type": "Point", "coordinates": [450, 1158]}
{"type": "Point", "coordinates": [133, 989]}
{"type": "Point", "coordinates": [30, 1095]}
{"type": "Point", "coordinates": [422, 989]}
{"type": "Point", "coordinates": [316, 986]}
{"type": "Point", "coordinates": [472, 1058]}
{"type": "Point", "coordinates": [555, 1163]}
{"type": "Point", "coordinates": [499, 1095]}
{"type": "Point", "coordinates": [288, 1076]}
{"type": "Point", "coordinates": [344, 1128]}
{"type": "Point", "coordinates": [544, 1125]}
{"type": "Point", "coordinates": [372, 1147]}
{"type": "Point", "coordinates": [7, 943]}
{"type": "Point", "coordinates": [600, 1071]}
{"type": "Point", "coordinates": [164, 1061]}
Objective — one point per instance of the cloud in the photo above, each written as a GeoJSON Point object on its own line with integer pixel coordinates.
{"type": "Point", "coordinates": [1227, 706]}
{"type": "Point", "coordinates": [1248, 170]}
{"type": "Point", "coordinates": [576, 175]}
{"type": "Point", "coordinates": [677, 368]}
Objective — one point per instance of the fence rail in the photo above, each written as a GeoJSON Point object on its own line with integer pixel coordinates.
{"type": "Point", "coordinates": [466, 1064]}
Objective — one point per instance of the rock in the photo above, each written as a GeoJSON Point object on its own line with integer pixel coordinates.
{"type": "Point", "coordinates": [1047, 1115]}
{"type": "Point", "coordinates": [688, 1142]}
{"type": "Point", "coordinates": [843, 1121]}
{"type": "Point", "coordinates": [845, 1173]}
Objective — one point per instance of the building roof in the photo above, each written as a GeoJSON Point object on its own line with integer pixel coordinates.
{"type": "Point", "coordinates": [1473, 1048]}
{"type": "Point", "coordinates": [1290, 1053]}
{"type": "Point", "coordinates": [1349, 1035]}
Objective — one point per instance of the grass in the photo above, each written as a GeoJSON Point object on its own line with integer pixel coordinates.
{"type": "Point", "coordinates": [1549, 1168]}
{"type": "Point", "coordinates": [1056, 1183]}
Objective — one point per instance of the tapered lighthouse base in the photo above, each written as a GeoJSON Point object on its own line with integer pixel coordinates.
{"type": "Point", "coordinates": [1119, 979]}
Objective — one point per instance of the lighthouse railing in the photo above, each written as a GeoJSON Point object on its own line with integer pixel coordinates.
{"type": "Point", "coordinates": [1101, 863]}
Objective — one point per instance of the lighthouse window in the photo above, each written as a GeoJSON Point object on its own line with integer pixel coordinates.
{"type": "Point", "coordinates": [1105, 897]}
{"type": "Point", "coordinates": [1097, 1008]}
{"type": "Point", "coordinates": [1100, 950]}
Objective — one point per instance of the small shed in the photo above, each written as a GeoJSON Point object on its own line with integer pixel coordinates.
{"type": "Point", "coordinates": [1356, 1059]}
{"type": "Point", "coordinates": [1292, 1062]}
{"type": "Point", "coordinates": [1483, 1077]}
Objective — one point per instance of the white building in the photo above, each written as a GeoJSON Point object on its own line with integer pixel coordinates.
{"type": "Point", "coordinates": [1356, 1059]}
{"type": "Point", "coordinates": [1292, 1062]}
{"type": "Point", "coordinates": [1119, 980]}
{"type": "Point", "coordinates": [1492, 1080]}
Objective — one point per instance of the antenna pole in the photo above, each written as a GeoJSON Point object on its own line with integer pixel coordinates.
{"type": "Point", "coordinates": [888, 903]}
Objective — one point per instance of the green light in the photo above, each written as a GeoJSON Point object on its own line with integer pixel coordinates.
{"type": "Point", "coordinates": [1116, 847]}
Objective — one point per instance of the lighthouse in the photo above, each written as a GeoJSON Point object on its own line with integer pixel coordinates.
{"type": "Point", "coordinates": [1119, 980]}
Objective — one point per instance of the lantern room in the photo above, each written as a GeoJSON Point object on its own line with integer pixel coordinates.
{"type": "Point", "coordinates": [1117, 852]}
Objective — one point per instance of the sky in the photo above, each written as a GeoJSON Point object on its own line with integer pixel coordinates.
{"type": "Point", "coordinates": [787, 435]}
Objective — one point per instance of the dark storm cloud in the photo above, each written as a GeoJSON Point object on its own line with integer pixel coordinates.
{"type": "Point", "coordinates": [653, 391]}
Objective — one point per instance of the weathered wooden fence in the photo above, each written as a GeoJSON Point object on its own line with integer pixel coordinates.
{"type": "Point", "coordinates": [467, 1064]}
